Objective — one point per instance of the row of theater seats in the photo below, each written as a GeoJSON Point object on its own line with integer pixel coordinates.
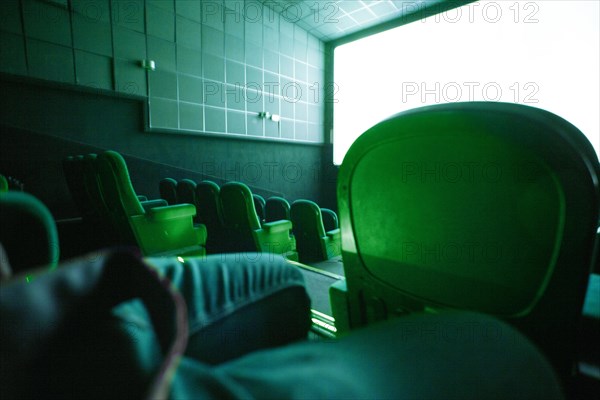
{"type": "Point", "coordinates": [234, 212]}
{"type": "Point", "coordinates": [518, 246]}
{"type": "Point", "coordinates": [101, 188]}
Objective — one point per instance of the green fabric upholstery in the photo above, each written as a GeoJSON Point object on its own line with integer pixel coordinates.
{"type": "Point", "coordinates": [330, 219]}
{"type": "Point", "coordinates": [3, 184]}
{"type": "Point", "coordinates": [312, 242]}
{"type": "Point", "coordinates": [208, 208]}
{"type": "Point", "coordinates": [483, 206]}
{"type": "Point", "coordinates": [27, 232]}
{"type": "Point", "coordinates": [244, 231]}
{"type": "Point", "coordinates": [167, 188]}
{"type": "Point", "coordinates": [259, 206]}
{"type": "Point", "coordinates": [112, 326]}
{"type": "Point", "coordinates": [161, 230]}
{"type": "Point", "coordinates": [277, 208]}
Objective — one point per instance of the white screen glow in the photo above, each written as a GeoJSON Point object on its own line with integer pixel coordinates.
{"type": "Point", "coordinates": [540, 53]}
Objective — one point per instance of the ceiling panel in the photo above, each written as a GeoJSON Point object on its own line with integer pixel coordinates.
{"type": "Point", "coordinates": [333, 19]}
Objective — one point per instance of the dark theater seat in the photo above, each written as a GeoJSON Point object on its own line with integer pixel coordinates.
{"type": "Point", "coordinates": [484, 206]}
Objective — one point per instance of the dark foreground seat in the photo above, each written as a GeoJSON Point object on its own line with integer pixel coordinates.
{"type": "Point", "coordinates": [27, 232]}
{"type": "Point", "coordinates": [481, 206]}
{"type": "Point", "coordinates": [112, 325]}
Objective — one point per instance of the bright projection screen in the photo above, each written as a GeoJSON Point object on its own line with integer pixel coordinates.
{"type": "Point", "coordinates": [540, 53]}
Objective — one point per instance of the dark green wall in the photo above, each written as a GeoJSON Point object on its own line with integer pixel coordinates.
{"type": "Point", "coordinates": [42, 123]}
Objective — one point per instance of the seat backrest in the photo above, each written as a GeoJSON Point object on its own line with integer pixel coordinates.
{"type": "Point", "coordinates": [91, 180]}
{"type": "Point", "coordinates": [239, 216]}
{"type": "Point", "coordinates": [118, 193]}
{"type": "Point", "coordinates": [259, 206]}
{"type": "Point", "coordinates": [167, 188]}
{"type": "Point", "coordinates": [276, 209]}
{"type": "Point", "coordinates": [208, 212]}
{"type": "Point", "coordinates": [308, 230]}
{"type": "Point", "coordinates": [74, 172]}
{"type": "Point", "coordinates": [27, 232]}
{"type": "Point", "coordinates": [330, 219]}
{"type": "Point", "coordinates": [186, 191]}
{"type": "Point", "coordinates": [208, 203]}
{"type": "Point", "coordinates": [483, 206]}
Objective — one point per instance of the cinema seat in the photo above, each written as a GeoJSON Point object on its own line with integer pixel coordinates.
{"type": "Point", "coordinates": [482, 206]}
{"type": "Point", "coordinates": [208, 208]}
{"type": "Point", "coordinates": [99, 214]}
{"type": "Point", "coordinates": [330, 219]}
{"type": "Point", "coordinates": [276, 209]}
{"type": "Point", "coordinates": [186, 192]}
{"type": "Point", "coordinates": [259, 206]}
{"type": "Point", "coordinates": [27, 232]}
{"type": "Point", "coordinates": [243, 228]}
{"type": "Point", "coordinates": [312, 241]}
{"type": "Point", "coordinates": [73, 170]}
{"type": "Point", "coordinates": [167, 188]}
{"type": "Point", "coordinates": [162, 230]}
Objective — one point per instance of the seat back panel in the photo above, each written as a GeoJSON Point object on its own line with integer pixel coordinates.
{"type": "Point", "coordinates": [484, 206]}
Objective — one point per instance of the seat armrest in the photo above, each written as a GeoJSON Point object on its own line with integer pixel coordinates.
{"type": "Point", "coordinates": [277, 226]}
{"type": "Point", "coordinates": [141, 197]}
{"type": "Point", "coordinates": [172, 212]}
{"type": "Point", "coordinates": [148, 204]}
{"type": "Point", "coordinates": [201, 233]}
{"type": "Point", "coordinates": [334, 234]}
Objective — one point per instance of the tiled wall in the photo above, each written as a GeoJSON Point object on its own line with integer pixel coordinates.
{"type": "Point", "coordinates": [218, 62]}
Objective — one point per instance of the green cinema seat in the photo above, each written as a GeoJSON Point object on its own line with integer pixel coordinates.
{"type": "Point", "coordinates": [244, 231]}
{"type": "Point", "coordinates": [312, 241]}
{"type": "Point", "coordinates": [483, 206]}
{"type": "Point", "coordinates": [160, 230]}
{"type": "Point", "coordinates": [81, 181]}
{"type": "Point", "coordinates": [259, 206]}
{"type": "Point", "coordinates": [276, 209]}
{"type": "Point", "coordinates": [330, 219]}
{"type": "Point", "coordinates": [167, 188]}
{"type": "Point", "coordinates": [208, 208]}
